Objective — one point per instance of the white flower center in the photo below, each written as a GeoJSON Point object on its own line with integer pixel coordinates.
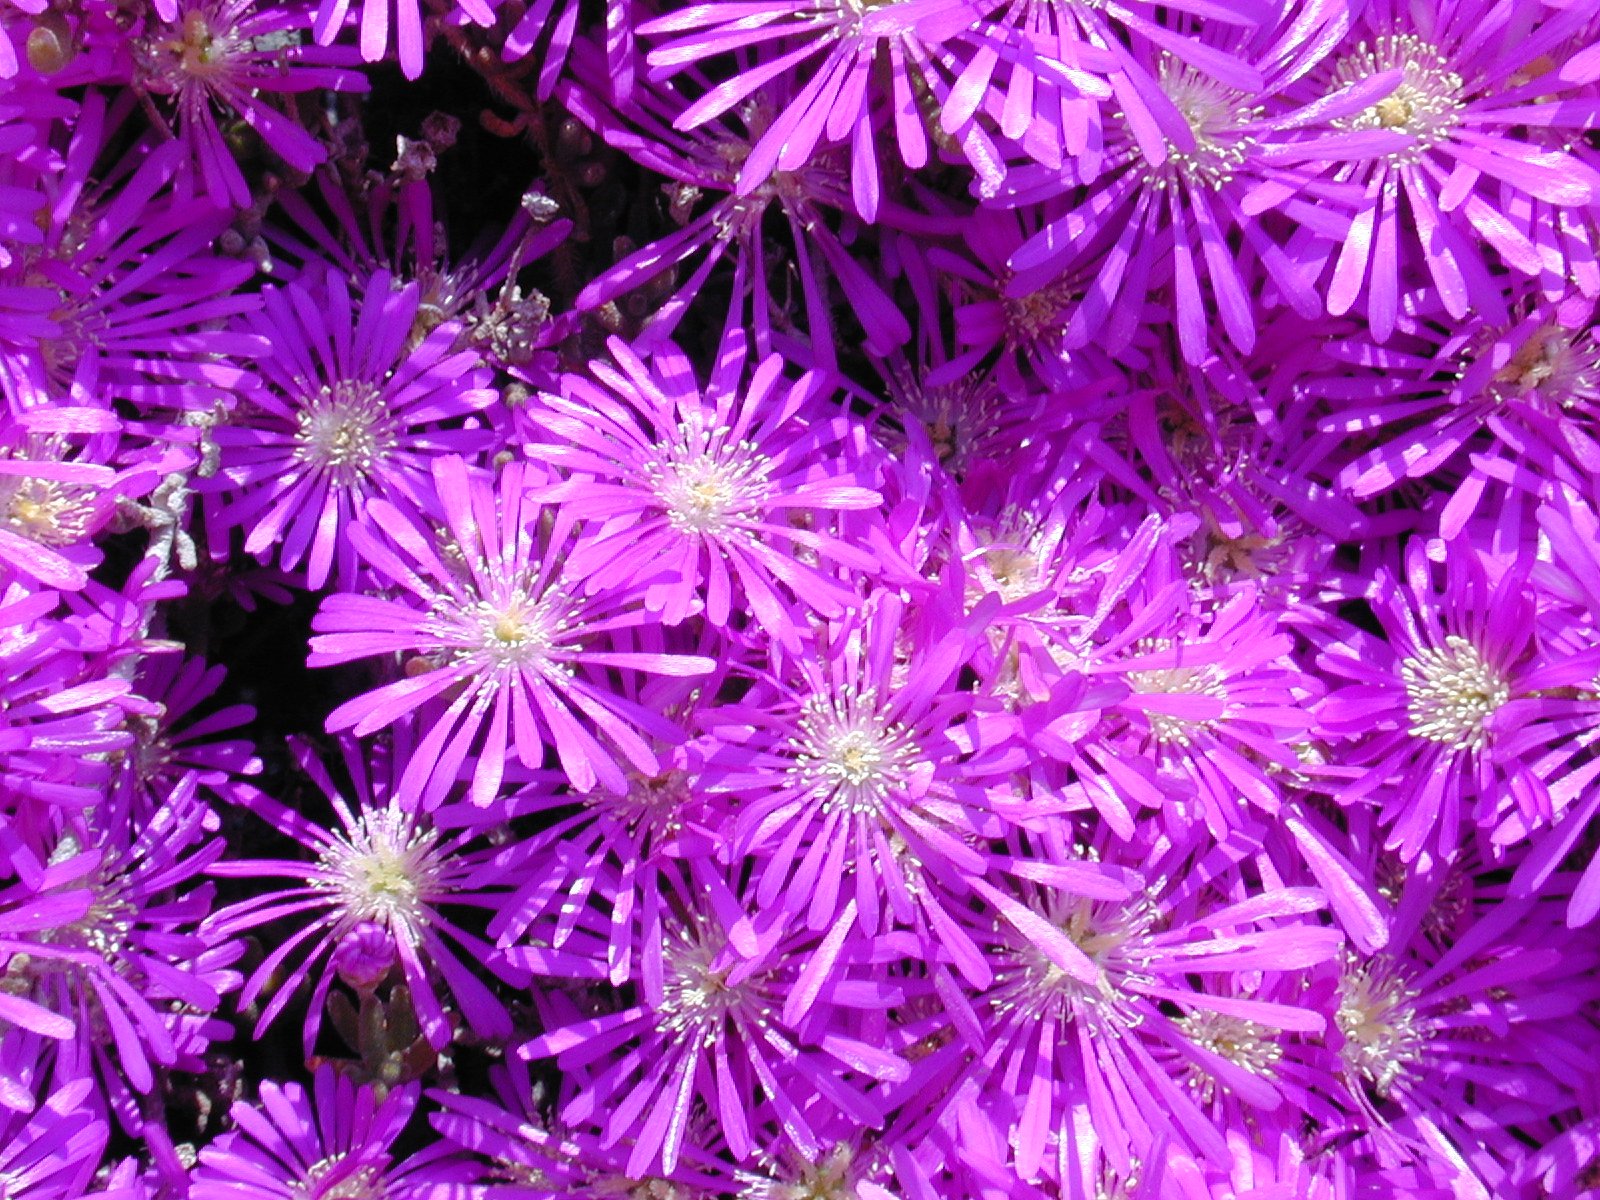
{"type": "Point", "coordinates": [344, 432]}
{"type": "Point", "coordinates": [707, 487]}
{"type": "Point", "coordinates": [324, 1180]}
{"type": "Point", "coordinates": [1452, 692]}
{"type": "Point", "coordinates": [696, 997]}
{"type": "Point", "coordinates": [46, 511]}
{"type": "Point", "coordinates": [1426, 104]}
{"type": "Point", "coordinates": [1383, 1036]}
{"type": "Point", "coordinates": [1204, 680]}
{"type": "Point", "coordinates": [848, 754]}
{"type": "Point", "coordinates": [383, 871]}
{"type": "Point", "coordinates": [1243, 1043]}
{"type": "Point", "coordinates": [517, 631]}
{"type": "Point", "coordinates": [1214, 114]}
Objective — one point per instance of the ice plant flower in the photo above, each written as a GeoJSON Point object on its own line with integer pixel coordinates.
{"type": "Point", "coordinates": [135, 971]}
{"type": "Point", "coordinates": [830, 48]}
{"type": "Point", "coordinates": [1497, 401]}
{"type": "Point", "coordinates": [521, 656]}
{"type": "Point", "coordinates": [710, 499]}
{"type": "Point", "coordinates": [608, 856]}
{"type": "Point", "coordinates": [124, 298]}
{"type": "Point", "coordinates": [333, 1143]}
{"type": "Point", "coordinates": [866, 777]}
{"type": "Point", "coordinates": [352, 409]}
{"type": "Point", "coordinates": [387, 25]}
{"type": "Point", "coordinates": [52, 1152]}
{"type": "Point", "coordinates": [1473, 996]}
{"type": "Point", "coordinates": [1140, 220]}
{"type": "Point", "coordinates": [232, 55]}
{"type": "Point", "coordinates": [1123, 1006]}
{"type": "Point", "coordinates": [718, 222]}
{"type": "Point", "coordinates": [713, 1022]}
{"type": "Point", "coordinates": [1434, 151]}
{"type": "Point", "coordinates": [1456, 718]}
{"type": "Point", "coordinates": [385, 865]}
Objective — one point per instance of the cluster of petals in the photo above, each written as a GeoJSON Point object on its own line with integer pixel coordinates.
{"type": "Point", "coordinates": [799, 600]}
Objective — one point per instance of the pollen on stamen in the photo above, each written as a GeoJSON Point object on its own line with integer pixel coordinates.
{"type": "Point", "coordinates": [1383, 1034]}
{"type": "Point", "coordinates": [707, 486]}
{"type": "Point", "coordinates": [330, 1179]}
{"type": "Point", "coordinates": [45, 511]}
{"type": "Point", "coordinates": [514, 631]}
{"type": "Point", "coordinates": [696, 996]}
{"type": "Point", "coordinates": [850, 755]}
{"type": "Point", "coordinates": [1452, 691]}
{"type": "Point", "coordinates": [383, 869]}
{"type": "Point", "coordinates": [1203, 680]}
{"type": "Point", "coordinates": [1244, 1043]}
{"type": "Point", "coordinates": [344, 431]}
{"type": "Point", "coordinates": [1427, 103]}
{"type": "Point", "coordinates": [1215, 115]}
{"type": "Point", "coordinates": [1554, 367]}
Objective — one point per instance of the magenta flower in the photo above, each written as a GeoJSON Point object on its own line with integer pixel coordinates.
{"type": "Point", "coordinates": [1137, 1007]}
{"type": "Point", "coordinates": [354, 408]}
{"type": "Point", "coordinates": [1166, 206]}
{"type": "Point", "coordinates": [1475, 996]}
{"type": "Point", "coordinates": [523, 658]}
{"type": "Point", "coordinates": [716, 1019]}
{"type": "Point", "coordinates": [335, 1142]}
{"type": "Point", "coordinates": [387, 25]}
{"type": "Point", "coordinates": [51, 1153]}
{"type": "Point", "coordinates": [710, 499]}
{"type": "Point", "coordinates": [526, 1148]}
{"type": "Point", "coordinates": [386, 865]}
{"type": "Point", "coordinates": [1456, 717]}
{"type": "Point", "coordinates": [124, 299]}
{"type": "Point", "coordinates": [608, 856]}
{"type": "Point", "coordinates": [1433, 152]}
{"type": "Point", "coordinates": [228, 55]}
{"type": "Point", "coordinates": [182, 738]}
{"type": "Point", "coordinates": [61, 716]}
{"type": "Point", "coordinates": [1522, 395]}
{"type": "Point", "coordinates": [865, 778]}
{"type": "Point", "coordinates": [58, 491]}
{"type": "Point", "coordinates": [133, 968]}
{"type": "Point", "coordinates": [829, 48]}
{"type": "Point", "coordinates": [703, 163]}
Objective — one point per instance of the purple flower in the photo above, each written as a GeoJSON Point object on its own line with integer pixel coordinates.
{"type": "Point", "coordinates": [132, 970]}
{"type": "Point", "coordinates": [123, 300]}
{"type": "Point", "coordinates": [377, 17]}
{"type": "Point", "coordinates": [703, 162]}
{"type": "Point", "coordinates": [333, 1143]}
{"type": "Point", "coordinates": [1167, 204]}
{"type": "Point", "coordinates": [181, 738]}
{"type": "Point", "coordinates": [229, 55]}
{"type": "Point", "coordinates": [1131, 1008]}
{"type": "Point", "coordinates": [829, 47]}
{"type": "Point", "coordinates": [356, 404]}
{"type": "Point", "coordinates": [386, 865]}
{"type": "Point", "coordinates": [716, 499]}
{"type": "Point", "coordinates": [51, 1153]}
{"type": "Point", "coordinates": [1433, 149]}
{"type": "Point", "coordinates": [1461, 1032]}
{"type": "Point", "coordinates": [865, 776]}
{"type": "Point", "coordinates": [60, 715]}
{"type": "Point", "coordinates": [609, 855]}
{"type": "Point", "coordinates": [523, 658]}
{"type": "Point", "coordinates": [1490, 399]}
{"type": "Point", "coordinates": [720, 1013]}
{"type": "Point", "coordinates": [529, 1154]}
{"type": "Point", "coordinates": [1456, 716]}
